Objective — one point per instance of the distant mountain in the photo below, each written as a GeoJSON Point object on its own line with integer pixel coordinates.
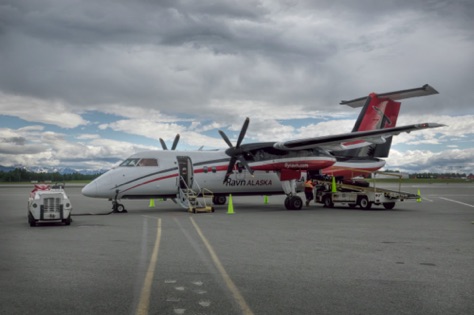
{"type": "Point", "coordinates": [7, 168]}
{"type": "Point", "coordinates": [60, 170]}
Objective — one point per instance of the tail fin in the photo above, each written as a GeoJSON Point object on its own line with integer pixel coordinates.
{"type": "Point", "coordinates": [380, 111]}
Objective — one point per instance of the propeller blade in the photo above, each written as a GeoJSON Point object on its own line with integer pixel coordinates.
{"type": "Point", "coordinates": [163, 144]}
{"type": "Point", "coordinates": [243, 131]}
{"type": "Point", "coordinates": [223, 135]}
{"type": "Point", "coordinates": [230, 168]}
{"type": "Point", "coordinates": [245, 164]}
{"type": "Point", "coordinates": [175, 142]}
{"type": "Point", "coordinates": [235, 153]}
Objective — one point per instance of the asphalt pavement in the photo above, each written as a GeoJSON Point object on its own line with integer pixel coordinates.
{"type": "Point", "coordinates": [415, 259]}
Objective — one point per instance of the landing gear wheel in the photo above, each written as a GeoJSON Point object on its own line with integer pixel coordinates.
{"type": "Point", "coordinates": [328, 201]}
{"type": "Point", "coordinates": [293, 203]}
{"type": "Point", "coordinates": [119, 208]}
{"type": "Point", "coordinates": [364, 203]}
{"type": "Point", "coordinates": [219, 200]}
{"type": "Point", "coordinates": [389, 205]}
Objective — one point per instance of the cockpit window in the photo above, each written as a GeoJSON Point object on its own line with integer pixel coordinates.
{"type": "Point", "coordinates": [139, 162]}
{"type": "Point", "coordinates": [130, 162]}
{"type": "Point", "coordinates": [148, 162]}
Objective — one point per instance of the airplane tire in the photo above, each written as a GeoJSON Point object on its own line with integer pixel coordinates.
{"type": "Point", "coordinates": [121, 208]}
{"type": "Point", "coordinates": [219, 200]}
{"type": "Point", "coordinates": [389, 205]}
{"type": "Point", "coordinates": [296, 203]}
{"type": "Point", "coordinates": [364, 203]}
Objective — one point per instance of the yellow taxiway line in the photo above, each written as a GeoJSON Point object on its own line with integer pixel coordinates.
{"type": "Point", "coordinates": [144, 303]}
{"type": "Point", "coordinates": [230, 284]}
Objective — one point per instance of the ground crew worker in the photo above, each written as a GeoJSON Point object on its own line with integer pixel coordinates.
{"type": "Point", "coordinates": [308, 191]}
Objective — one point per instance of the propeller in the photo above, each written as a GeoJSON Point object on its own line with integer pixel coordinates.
{"type": "Point", "coordinates": [236, 153]}
{"type": "Point", "coordinates": [173, 147]}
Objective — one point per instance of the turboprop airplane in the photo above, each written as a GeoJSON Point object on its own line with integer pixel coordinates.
{"type": "Point", "coordinates": [262, 168]}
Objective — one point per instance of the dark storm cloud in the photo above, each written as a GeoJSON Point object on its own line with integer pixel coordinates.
{"type": "Point", "coordinates": [175, 55]}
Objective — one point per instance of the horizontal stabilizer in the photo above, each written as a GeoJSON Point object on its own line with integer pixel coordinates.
{"type": "Point", "coordinates": [397, 95]}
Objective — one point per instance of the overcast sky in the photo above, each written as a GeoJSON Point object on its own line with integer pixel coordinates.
{"type": "Point", "coordinates": [84, 84]}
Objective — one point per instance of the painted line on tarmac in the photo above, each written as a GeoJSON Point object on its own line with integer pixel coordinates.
{"type": "Point", "coordinates": [462, 203]}
{"type": "Point", "coordinates": [230, 284]}
{"type": "Point", "coordinates": [144, 303]}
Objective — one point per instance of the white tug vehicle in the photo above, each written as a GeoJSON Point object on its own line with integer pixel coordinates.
{"type": "Point", "coordinates": [49, 204]}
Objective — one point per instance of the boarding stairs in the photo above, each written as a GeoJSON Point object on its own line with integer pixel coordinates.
{"type": "Point", "coordinates": [195, 200]}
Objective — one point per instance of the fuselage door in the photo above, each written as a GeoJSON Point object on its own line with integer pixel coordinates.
{"type": "Point", "coordinates": [186, 172]}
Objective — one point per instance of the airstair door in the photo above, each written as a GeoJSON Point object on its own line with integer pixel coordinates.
{"type": "Point", "coordinates": [186, 172]}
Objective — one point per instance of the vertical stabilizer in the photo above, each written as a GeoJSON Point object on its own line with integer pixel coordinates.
{"type": "Point", "coordinates": [377, 113]}
{"type": "Point", "coordinates": [380, 111]}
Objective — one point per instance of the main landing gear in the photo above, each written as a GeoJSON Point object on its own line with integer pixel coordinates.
{"type": "Point", "coordinates": [116, 206]}
{"type": "Point", "coordinates": [293, 203]}
{"type": "Point", "coordinates": [219, 199]}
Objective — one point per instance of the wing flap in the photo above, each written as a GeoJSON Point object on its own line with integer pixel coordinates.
{"type": "Point", "coordinates": [351, 140]}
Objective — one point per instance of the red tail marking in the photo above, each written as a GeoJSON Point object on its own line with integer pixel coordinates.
{"type": "Point", "coordinates": [381, 113]}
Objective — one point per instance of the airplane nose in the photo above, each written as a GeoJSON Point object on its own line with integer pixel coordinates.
{"type": "Point", "coordinates": [90, 190]}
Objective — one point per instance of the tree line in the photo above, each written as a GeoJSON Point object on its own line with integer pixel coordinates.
{"type": "Point", "coordinates": [22, 175]}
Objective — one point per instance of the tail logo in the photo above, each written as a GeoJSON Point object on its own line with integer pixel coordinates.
{"type": "Point", "coordinates": [385, 119]}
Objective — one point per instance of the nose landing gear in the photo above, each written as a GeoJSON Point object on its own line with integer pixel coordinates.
{"type": "Point", "coordinates": [116, 206]}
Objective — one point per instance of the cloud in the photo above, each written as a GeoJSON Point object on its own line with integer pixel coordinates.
{"type": "Point", "coordinates": [155, 69]}
{"type": "Point", "coordinates": [182, 55]}
{"type": "Point", "coordinates": [458, 130]}
{"type": "Point", "coordinates": [448, 161]}
{"type": "Point", "coordinates": [38, 110]}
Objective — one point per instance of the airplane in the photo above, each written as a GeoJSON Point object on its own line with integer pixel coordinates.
{"type": "Point", "coordinates": [261, 168]}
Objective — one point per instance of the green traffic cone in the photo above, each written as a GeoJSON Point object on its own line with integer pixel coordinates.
{"type": "Point", "coordinates": [230, 208]}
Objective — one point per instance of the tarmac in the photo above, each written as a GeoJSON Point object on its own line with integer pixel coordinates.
{"type": "Point", "coordinates": [415, 259]}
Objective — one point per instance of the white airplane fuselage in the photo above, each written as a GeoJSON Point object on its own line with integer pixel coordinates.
{"type": "Point", "coordinates": [203, 169]}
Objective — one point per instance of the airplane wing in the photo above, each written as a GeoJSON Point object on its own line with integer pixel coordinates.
{"type": "Point", "coordinates": [351, 140]}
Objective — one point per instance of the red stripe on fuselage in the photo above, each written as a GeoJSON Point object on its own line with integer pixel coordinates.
{"type": "Point", "coordinates": [297, 165]}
